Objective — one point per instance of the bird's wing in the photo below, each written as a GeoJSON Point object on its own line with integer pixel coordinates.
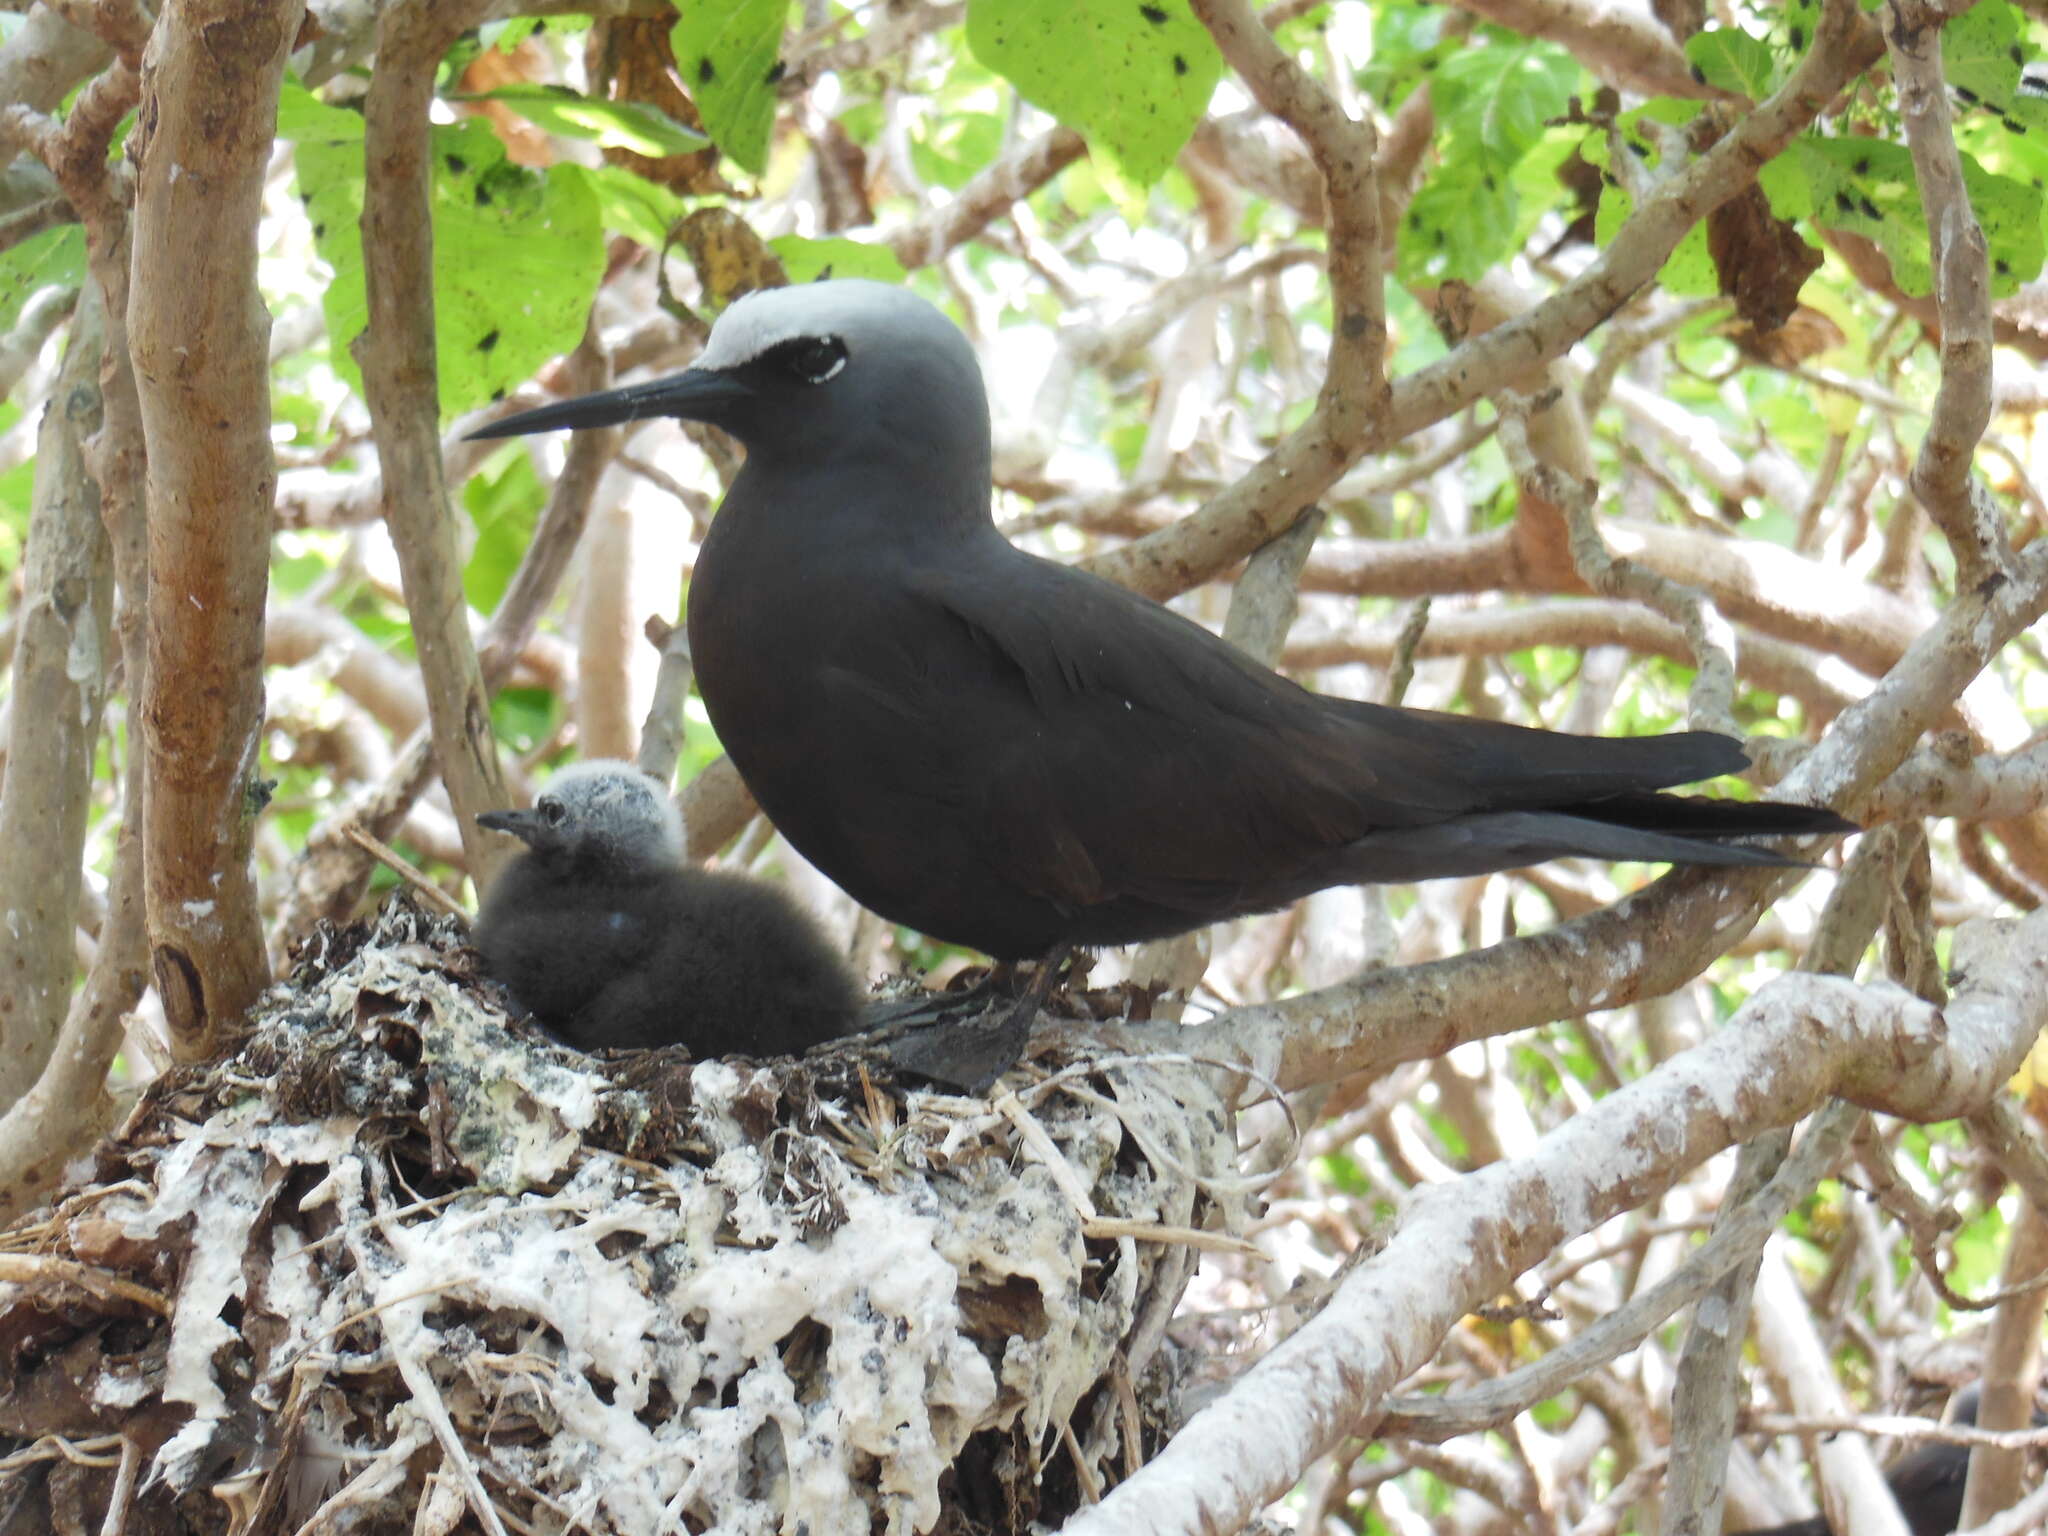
{"type": "Point", "coordinates": [1140, 755]}
{"type": "Point", "coordinates": [1127, 752]}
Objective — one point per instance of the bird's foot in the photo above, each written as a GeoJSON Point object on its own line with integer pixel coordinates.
{"type": "Point", "coordinates": [968, 1039]}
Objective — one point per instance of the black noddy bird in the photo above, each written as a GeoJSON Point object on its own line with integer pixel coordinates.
{"type": "Point", "coordinates": [1008, 753]}
{"type": "Point", "coordinates": [1927, 1482]}
{"type": "Point", "coordinates": [605, 934]}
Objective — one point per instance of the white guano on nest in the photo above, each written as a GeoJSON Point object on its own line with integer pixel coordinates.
{"type": "Point", "coordinates": [395, 1265]}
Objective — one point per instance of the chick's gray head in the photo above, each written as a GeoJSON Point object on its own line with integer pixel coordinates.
{"type": "Point", "coordinates": [604, 814]}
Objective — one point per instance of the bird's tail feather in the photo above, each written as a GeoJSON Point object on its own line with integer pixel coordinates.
{"type": "Point", "coordinates": [1525, 768]}
{"type": "Point", "coordinates": [1705, 816]}
{"type": "Point", "coordinates": [1494, 840]}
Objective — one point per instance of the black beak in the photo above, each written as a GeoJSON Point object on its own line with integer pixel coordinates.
{"type": "Point", "coordinates": [527, 826]}
{"type": "Point", "coordinates": [697, 395]}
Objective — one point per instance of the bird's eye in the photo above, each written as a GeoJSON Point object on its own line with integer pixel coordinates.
{"type": "Point", "coordinates": [816, 358]}
{"type": "Point", "coordinates": [551, 811]}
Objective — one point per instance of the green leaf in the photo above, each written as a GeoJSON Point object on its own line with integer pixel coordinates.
{"type": "Point", "coordinates": [1794, 418]}
{"type": "Point", "coordinates": [1981, 55]}
{"type": "Point", "coordinates": [947, 148]}
{"type": "Point", "coordinates": [53, 258]}
{"type": "Point", "coordinates": [1496, 100]}
{"type": "Point", "coordinates": [1732, 60]}
{"type": "Point", "coordinates": [303, 117]}
{"type": "Point", "coordinates": [1689, 270]}
{"type": "Point", "coordinates": [1457, 225]}
{"type": "Point", "coordinates": [1867, 186]}
{"type": "Point", "coordinates": [1409, 43]}
{"type": "Point", "coordinates": [806, 260]}
{"type": "Point", "coordinates": [17, 493]}
{"type": "Point", "coordinates": [727, 51]}
{"type": "Point", "coordinates": [518, 255]}
{"type": "Point", "coordinates": [523, 718]}
{"type": "Point", "coordinates": [629, 125]}
{"type": "Point", "coordinates": [503, 500]}
{"type": "Point", "coordinates": [1979, 1248]}
{"type": "Point", "coordinates": [1800, 19]}
{"type": "Point", "coordinates": [1786, 188]}
{"type": "Point", "coordinates": [632, 205]}
{"type": "Point", "coordinates": [1133, 77]}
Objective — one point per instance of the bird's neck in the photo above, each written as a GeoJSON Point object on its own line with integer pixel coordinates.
{"type": "Point", "coordinates": [905, 500]}
{"type": "Point", "coordinates": [595, 868]}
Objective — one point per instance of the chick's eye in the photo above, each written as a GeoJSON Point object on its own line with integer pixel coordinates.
{"type": "Point", "coordinates": [551, 812]}
{"type": "Point", "coordinates": [816, 359]}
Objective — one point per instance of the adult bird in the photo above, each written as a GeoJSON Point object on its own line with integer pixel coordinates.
{"type": "Point", "coordinates": [604, 933]}
{"type": "Point", "coordinates": [1008, 753]}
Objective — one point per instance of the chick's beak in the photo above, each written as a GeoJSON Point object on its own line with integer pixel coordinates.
{"type": "Point", "coordinates": [524, 825]}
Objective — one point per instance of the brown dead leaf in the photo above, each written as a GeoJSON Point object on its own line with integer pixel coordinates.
{"type": "Point", "coordinates": [1805, 334]}
{"type": "Point", "coordinates": [730, 258]}
{"type": "Point", "coordinates": [493, 68]}
{"type": "Point", "coordinates": [629, 59]}
{"type": "Point", "coordinates": [1762, 260]}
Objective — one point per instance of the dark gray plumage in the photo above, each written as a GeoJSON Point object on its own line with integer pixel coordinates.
{"type": "Point", "coordinates": [1007, 752]}
{"type": "Point", "coordinates": [610, 939]}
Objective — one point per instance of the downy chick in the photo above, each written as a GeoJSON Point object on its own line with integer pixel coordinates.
{"type": "Point", "coordinates": [604, 933]}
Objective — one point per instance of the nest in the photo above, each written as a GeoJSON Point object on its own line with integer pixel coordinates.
{"type": "Point", "coordinates": [401, 1264]}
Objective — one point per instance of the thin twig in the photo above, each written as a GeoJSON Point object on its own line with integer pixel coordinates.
{"type": "Point", "coordinates": [403, 867]}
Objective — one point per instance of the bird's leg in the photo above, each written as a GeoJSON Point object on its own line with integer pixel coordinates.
{"type": "Point", "coordinates": [1044, 977]}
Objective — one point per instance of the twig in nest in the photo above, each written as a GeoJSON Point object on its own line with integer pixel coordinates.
{"type": "Point", "coordinates": [47, 1269]}
{"type": "Point", "coordinates": [124, 1488]}
{"type": "Point", "coordinates": [1154, 1232]}
{"type": "Point", "coordinates": [1047, 1154]}
{"type": "Point", "coordinates": [373, 1482]}
{"type": "Point", "coordinates": [400, 866]}
{"type": "Point", "coordinates": [404, 1322]}
{"type": "Point", "coordinates": [1091, 1490]}
{"type": "Point", "coordinates": [83, 1453]}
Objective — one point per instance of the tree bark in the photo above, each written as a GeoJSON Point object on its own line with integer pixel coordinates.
{"type": "Point", "coordinates": [396, 351]}
{"type": "Point", "coordinates": [59, 686]}
{"type": "Point", "coordinates": [199, 337]}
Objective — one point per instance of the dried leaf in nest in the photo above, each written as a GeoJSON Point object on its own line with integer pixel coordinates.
{"type": "Point", "coordinates": [400, 1263]}
{"type": "Point", "coordinates": [1762, 260]}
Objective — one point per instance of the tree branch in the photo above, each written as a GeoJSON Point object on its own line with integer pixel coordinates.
{"type": "Point", "coordinates": [1272, 494]}
{"type": "Point", "coordinates": [59, 686]}
{"type": "Point", "coordinates": [1708, 639]}
{"type": "Point", "coordinates": [1942, 478]}
{"type": "Point", "coordinates": [1800, 1040]}
{"type": "Point", "coordinates": [396, 351]}
{"type": "Point", "coordinates": [1649, 943]}
{"type": "Point", "coordinates": [198, 334]}
{"type": "Point", "coordinates": [1844, 46]}
{"type": "Point", "coordinates": [1623, 47]}
{"type": "Point", "coordinates": [1822, 687]}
